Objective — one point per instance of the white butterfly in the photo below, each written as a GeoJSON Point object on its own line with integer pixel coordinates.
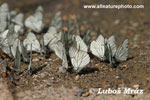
{"type": "Point", "coordinates": [18, 19]}
{"type": "Point", "coordinates": [17, 44]}
{"type": "Point", "coordinates": [36, 21]}
{"type": "Point", "coordinates": [8, 38]}
{"type": "Point", "coordinates": [79, 59]}
{"type": "Point", "coordinates": [4, 16]}
{"type": "Point", "coordinates": [79, 43]}
{"type": "Point", "coordinates": [121, 53]}
{"type": "Point", "coordinates": [57, 21]}
{"type": "Point", "coordinates": [32, 40]}
{"type": "Point", "coordinates": [61, 53]}
{"type": "Point", "coordinates": [12, 36]}
{"type": "Point", "coordinates": [98, 47]}
{"type": "Point", "coordinates": [106, 49]}
{"type": "Point", "coordinates": [18, 23]}
{"type": "Point", "coordinates": [51, 37]}
{"type": "Point", "coordinates": [111, 42]}
{"type": "Point", "coordinates": [13, 41]}
{"type": "Point", "coordinates": [4, 42]}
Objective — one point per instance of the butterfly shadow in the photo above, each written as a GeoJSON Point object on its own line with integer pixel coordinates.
{"type": "Point", "coordinates": [116, 65]}
{"type": "Point", "coordinates": [130, 58]}
{"type": "Point", "coordinates": [36, 70]}
{"type": "Point", "coordinates": [88, 70]}
{"type": "Point", "coordinates": [45, 30]}
{"type": "Point", "coordinates": [91, 55]}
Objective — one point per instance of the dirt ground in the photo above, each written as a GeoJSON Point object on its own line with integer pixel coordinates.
{"type": "Point", "coordinates": [133, 24]}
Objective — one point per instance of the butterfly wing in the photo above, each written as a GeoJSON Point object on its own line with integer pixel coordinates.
{"type": "Point", "coordinates": [4, 16]}
{"type": "Point", "coordinates": [57, 21]}
{"type": "Point", "coordinates": [50, 36]}
{"type": "Point", "coordinates": [98, 47]}
{"type": "Point", "coordinates": [18, 19]}
{"type": "Point", "coordinates": [58, 48]}
{"type": "Point", "coordinates": [61, 53]}
{"type": "Point", "coordinates": [14, 47]}
{"type": "Point", "coordinates": [4, 42]}
{"type": "Point", "coordinates": [122, 52]}
{"type": "Point", "coordinates": [111, 42]}
{"type": "Point", "coordinates": [11, 38]}
{"type": "Point", "coordinates": [80, 45]}
{"type": "Point", "coordinates": [4, 34]}
{"type": "Point", "coordinates": [79, 59]}
{"type": "Point", "coordinates": [35, 22]}
{"type": "Point", "coordinates": [32, 40]}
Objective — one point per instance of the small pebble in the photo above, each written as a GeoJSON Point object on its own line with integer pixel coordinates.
{"type": "Point", "coordinates": [79, 92]}
{"type": "Point", "coordinates": [46, 63]}
{"type": "Point", "coordinates": [111, 69]}
{"type": "Point", "coordinates": [92, 90]}
{"type": "Point", "coordinates": [117, 22]}
{"type": "Point", "coordinates": [35, 59]}
{"type": "Point", "coordinates": [136, 86]}
{"type": "Point", "coordinates": [96, 72]}
{"type": "Point", "coordinates": [117, 77]}
{"type": "Point", "coordinates": [135, 24]}
{"type": "Point", "coordinates": [86, 94]}
{"type": "Point", "coordinates": [96, 65]}
{"type": "Point", "coordinates": [61, 70]}
{"type": "Point", "coordinates": [136, 37]}
{"type": "Point", "coordinates": [52, 78]}
{"type": "Point", "coordinates": [77, 77]}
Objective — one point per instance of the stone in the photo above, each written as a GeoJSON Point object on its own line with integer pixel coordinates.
{"type": "Point", "coordinates": [77, 77]}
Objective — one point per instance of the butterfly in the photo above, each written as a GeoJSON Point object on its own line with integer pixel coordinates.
{"type": "Point", "coordinates": [36, 21]}
{"type": "Point", "coordinates": [9, 41]}
{"type": "Point", "coordinates": [51, 37]}
{"type": "Point", "coordinates": [16, 45]}
{"type": "Point", "coordinates": [121, 53]}
{"type": "Point", "coordinates": [57, 21]}
{"type": "Point", "coordinates": [98, 47]}
{"type": "Point", "coordinates": [106, 50]}
{"type": "Point", "coordinates": [78, 54]}
{"type": "Point", "coordinates": [110, 45]}
{"type": "Point", "coordinates": [13, 41]}
{"type": "Point", "coordinates": [79, 43]}
{"type": "Point", "coordinates": [12, 36]}
{"type": "Point", "coordinates": [79, 59]}
{"type": "Point", "coordinates": [18, 23]}
{"type": "Point", "coordinates": [61, 53]}
{"type": "Point", "coordinates": [4, 17]}
{"type": "Point", "coordinates": [32, 40]}
{"type": "Point", "coordinates": [4, 42]}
